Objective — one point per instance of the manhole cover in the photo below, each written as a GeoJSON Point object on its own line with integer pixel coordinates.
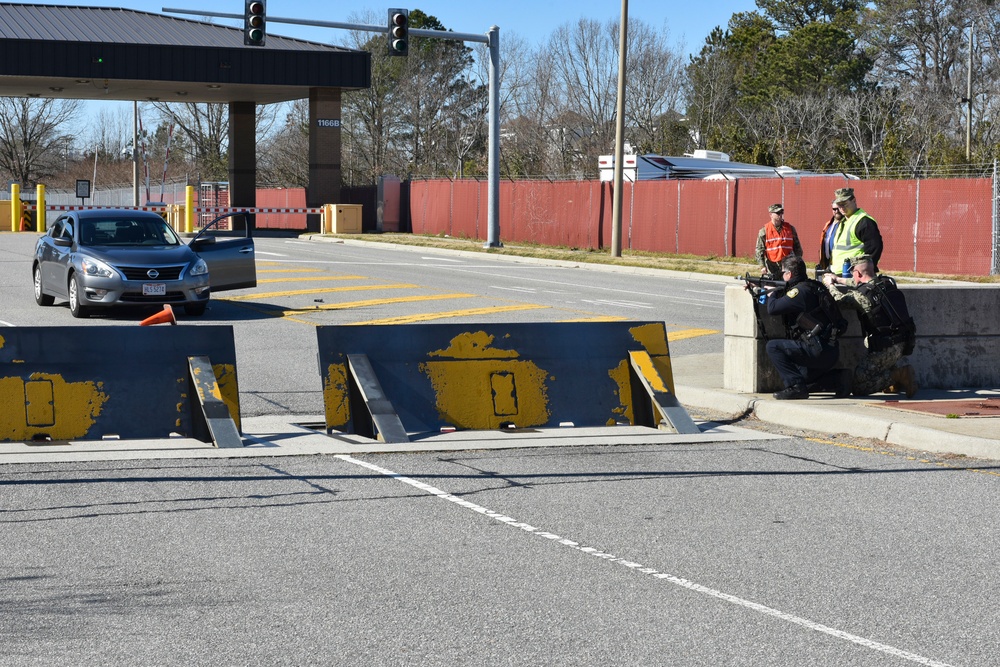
{"type": "Point", "coordinates": [973, 407]}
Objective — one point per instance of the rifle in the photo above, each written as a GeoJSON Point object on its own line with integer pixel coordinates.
{"type": "Point", "coordinates": [759, 288]}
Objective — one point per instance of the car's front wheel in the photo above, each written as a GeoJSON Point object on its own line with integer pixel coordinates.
{"type": "Point", "coordinates": [41, 298]}
{"type": "Point", "coordinates": [75, 306]}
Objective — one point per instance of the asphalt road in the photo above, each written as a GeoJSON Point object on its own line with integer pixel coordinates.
{"type": "Point", "coordinates": [777, 552]}
{"type": "Point", "coordinates": [766, 551]}
{"type": "Point", "coordinates": [302, 285]}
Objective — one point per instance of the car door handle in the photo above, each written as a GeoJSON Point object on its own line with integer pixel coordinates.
{"type": "Point", "coordinates": [246, 251]}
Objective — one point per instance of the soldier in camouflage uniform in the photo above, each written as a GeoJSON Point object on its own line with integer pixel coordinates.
{"type": "Point", "coordinates": [889, 330]}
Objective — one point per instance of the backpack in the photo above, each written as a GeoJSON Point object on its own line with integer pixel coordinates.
{"type": "Point", "coordinates": [826, 315]}
{"type": "Point", "coordinates": [889, 318]}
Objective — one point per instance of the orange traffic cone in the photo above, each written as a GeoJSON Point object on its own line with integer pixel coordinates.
{"type": "Point", "coordinates": [162, 317]}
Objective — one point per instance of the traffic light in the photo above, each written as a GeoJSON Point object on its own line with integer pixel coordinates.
{"type": "Point", "coordinates": [254, 23]}
{"type": "Point", "coordinates": [399, 32]}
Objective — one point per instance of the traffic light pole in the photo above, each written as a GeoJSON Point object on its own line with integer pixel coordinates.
{"type": "Point", "coordinates": [491, 39]}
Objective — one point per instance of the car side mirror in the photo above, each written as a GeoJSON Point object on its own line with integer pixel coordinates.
{"type": "Point", "coordinates": [202, 240]}
{"type": "Point", "coordinates": [63, 242]}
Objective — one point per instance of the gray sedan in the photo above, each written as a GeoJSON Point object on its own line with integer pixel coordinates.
{"type": "Point", "coordinates": [114, 257]}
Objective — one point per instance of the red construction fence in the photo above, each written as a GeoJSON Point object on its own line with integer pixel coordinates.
{"type": "Point", "coordinates": [937, 226]}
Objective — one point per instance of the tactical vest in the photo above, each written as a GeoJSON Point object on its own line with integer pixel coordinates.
{"type": "Point", "coordinates": [888, 322]}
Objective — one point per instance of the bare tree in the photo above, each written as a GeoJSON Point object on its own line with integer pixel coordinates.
{"type": "Point", "coordinates": [281, 162]}
{"type": "Point", "coordinates": [655, 75]}
{"type": "Point", "coordinates": [584, 58]}
{"type": "Point", "coordinates": [867, 119]}
{"type": "Point", "coordinates": [529, 107]}
{"type": "Point", "coordinates": [805, 129]}
{"type": "Point", "coordinates": [33, 145]}
{"type": "Point", "coordinates": [369, 125]}
{"type": "Point", "coordinates": [110, 134]}
{"type": "Point", "coordinates": [203, 129]}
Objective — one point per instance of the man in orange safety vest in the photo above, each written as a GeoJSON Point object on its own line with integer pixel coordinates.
{"type": "Point", "coordinates": [776, 241]}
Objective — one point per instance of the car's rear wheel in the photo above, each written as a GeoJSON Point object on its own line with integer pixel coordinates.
{"type": "Point", "coordinates": [195, 310]}
{"type": "Point", "coordinates": [75, 290]}
{"type": "Point", "coordinates": [41, 298]}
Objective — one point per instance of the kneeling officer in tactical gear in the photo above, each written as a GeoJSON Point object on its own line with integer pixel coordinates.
{"type": "Point", "coordinates": [890, 333]}
{"type": "Point", "coordinates": [806, 358]}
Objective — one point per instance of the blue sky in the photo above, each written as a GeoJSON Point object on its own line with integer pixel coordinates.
{"type": "Point", "coordinates": [688, 23]}
{"type": "Point", "coordinates": [533, 20]}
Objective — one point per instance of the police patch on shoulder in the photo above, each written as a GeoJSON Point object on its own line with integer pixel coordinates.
{"type": "Point", "coordinates": [792, 293]}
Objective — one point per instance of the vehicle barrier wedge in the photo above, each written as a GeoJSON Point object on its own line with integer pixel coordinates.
{"type": "Point", "coordinates": [117, 382]}
{"type": "Point", "coordinates": [396, 382]}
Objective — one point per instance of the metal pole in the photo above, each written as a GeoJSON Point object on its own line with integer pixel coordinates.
{"type": "Point", "coordinates": [616, 207]}
{"type": "Point", "coordinates": [135, 153]}
{"type": "Point", "coordinates": [493, 197]}
{"type": "Point", "coordinates": [968, 92]}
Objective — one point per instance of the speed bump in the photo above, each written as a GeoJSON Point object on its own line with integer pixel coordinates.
{"type": "Point", "coordinates": [118, 382]}
{"type": "Point", "coordinates": [394, 382]}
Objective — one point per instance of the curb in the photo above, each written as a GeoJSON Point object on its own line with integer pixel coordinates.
{"type": "Point", "coordinates": [801, 415]}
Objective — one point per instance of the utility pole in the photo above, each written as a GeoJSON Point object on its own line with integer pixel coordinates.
{"type": "Point", "coordinates": [968, 99]}
{"type": "Point", "coordinates": [616, 205]}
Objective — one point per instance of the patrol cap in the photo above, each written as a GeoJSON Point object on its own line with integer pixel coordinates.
{"type": "Point", "coordinates": [861, 259]}
{"type": "Point", "coordinates": [775, 208]}
{"type": "Point", "coordinates": [842, 195]}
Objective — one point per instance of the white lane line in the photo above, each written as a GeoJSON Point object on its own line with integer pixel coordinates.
{"type": "Point", "coordinates": [609, 302]}
{"type": "Point", "coordinates": [269, 254]}
{"type": "Point", "coordinates": [7, 324]}
{"type": "Point", "coordinates": [443, 259]}
{"type": "Point", "coordinates": [638, 567]}
{"type": "Point", "coordinates": [528, 290]}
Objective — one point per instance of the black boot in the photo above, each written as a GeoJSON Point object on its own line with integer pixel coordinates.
{"type": "Point", "coordinates": [793, 393]}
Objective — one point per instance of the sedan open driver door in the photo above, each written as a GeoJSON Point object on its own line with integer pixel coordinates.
{"type": "Point", "coordinates": [231, 259]}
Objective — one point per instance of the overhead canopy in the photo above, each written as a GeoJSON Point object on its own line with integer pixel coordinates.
{"type": "Point", "coordinates": [123, 54]}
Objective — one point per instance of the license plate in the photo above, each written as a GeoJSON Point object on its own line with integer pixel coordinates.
{"type": "Point", "coordinates": [154, 289]}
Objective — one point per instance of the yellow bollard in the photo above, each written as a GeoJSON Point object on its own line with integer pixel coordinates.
{"type": "Point", "coordinates": [189, 209]}
{"type": "Point", "coordinates": [15, 206]}
{"type": "Point", "coordinates": [40, 220]}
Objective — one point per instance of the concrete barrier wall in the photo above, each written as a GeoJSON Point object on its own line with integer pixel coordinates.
{"type": "Point", "coordinates": [958, 339]}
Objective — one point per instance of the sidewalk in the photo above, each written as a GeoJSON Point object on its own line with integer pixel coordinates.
{"type": "Point", "coordinates": [699, 383]}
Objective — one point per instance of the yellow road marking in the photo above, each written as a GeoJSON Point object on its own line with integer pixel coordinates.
{"type": "Point", "coordinates": [303, 279]}
{"type": "Point", "coordinates": [290, 270]}
{"type": "Point", "coordinates": [424, 317]}
{"type": "Point", "coordinates": [316, 290]}
{"type": "Point", "coordinates": [289, 312]}
{"type": "Point", "coordinates": [689, 333]}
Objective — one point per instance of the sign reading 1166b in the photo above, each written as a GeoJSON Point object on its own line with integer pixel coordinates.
{"type": "Point", "coordinates": [327, 122]}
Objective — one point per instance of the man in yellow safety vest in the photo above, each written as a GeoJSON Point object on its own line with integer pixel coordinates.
{"type": "Point", "coordinates": [858, 234]}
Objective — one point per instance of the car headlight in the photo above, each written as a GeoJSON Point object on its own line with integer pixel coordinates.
{"type": "Point", "coordinates": [200, 268]}
{"type": "Point", "coordinates": [93, 267]}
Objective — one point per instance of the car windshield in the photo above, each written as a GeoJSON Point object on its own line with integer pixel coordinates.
{"type": "Point", "coordinates": [126, 232]}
